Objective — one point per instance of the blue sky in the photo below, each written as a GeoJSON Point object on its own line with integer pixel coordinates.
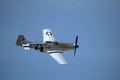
{"type": "Point", "coordinates": [97, 22]}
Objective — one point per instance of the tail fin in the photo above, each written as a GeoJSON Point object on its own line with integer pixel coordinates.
{"type": "Point", "coordinates": [21, 40]}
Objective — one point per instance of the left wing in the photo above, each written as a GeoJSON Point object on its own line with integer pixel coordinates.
{"type": "Point", "coordinates": [48, 36]}
{"type": "Point", "coordinates": [58, 56]}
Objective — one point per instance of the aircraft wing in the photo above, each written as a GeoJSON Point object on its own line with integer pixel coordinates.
{"type": "Point", "coordinates": [58, 56]}
{"type": "Point", "coordinates": [48, 36]}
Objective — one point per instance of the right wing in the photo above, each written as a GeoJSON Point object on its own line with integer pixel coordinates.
{"type": "Point", "coordinates": [48, 36]}
{"type": "Point", "coordinates": [58, 56]}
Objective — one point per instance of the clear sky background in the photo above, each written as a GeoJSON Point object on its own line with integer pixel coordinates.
{"type": "Point", "coordinates": [97, 22]}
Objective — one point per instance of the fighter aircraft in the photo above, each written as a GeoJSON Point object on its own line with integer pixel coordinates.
{"type": "Point", "coordinates": [49, 45]}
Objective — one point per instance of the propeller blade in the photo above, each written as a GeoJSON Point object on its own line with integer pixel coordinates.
{"type": "Point", "coordinates": [76, 40]}
{"type": "Point", "coordinates": [74, 51]}
{"type": "Point", "coordinates": [76, 46]}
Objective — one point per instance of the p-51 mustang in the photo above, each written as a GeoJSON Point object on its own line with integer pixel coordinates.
{"type": "Point", "coordinates": [50, 46]}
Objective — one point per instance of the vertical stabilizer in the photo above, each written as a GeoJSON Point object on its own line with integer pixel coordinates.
{"type": "Point", "coordinates": [21, 40]}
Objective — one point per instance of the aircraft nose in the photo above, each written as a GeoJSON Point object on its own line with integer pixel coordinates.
{"type": "Point", "coordinates": [76, 46]}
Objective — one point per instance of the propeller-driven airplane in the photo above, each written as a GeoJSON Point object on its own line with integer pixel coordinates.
{"type": "Point", "coordinates": [50, 46]}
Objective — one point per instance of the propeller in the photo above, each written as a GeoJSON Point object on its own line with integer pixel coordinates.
{"type": "Point", "coordinates": [76, 46]}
